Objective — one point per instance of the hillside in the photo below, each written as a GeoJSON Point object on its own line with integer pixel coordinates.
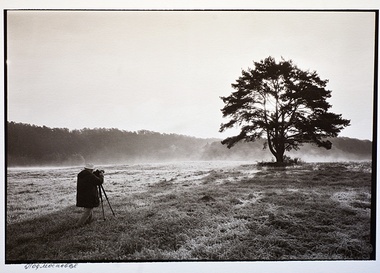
{"type": "Point", "coordinates": [31, 145]}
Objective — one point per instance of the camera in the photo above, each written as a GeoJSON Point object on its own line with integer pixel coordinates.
{"type": "Point", "coordinates": [98, 172]}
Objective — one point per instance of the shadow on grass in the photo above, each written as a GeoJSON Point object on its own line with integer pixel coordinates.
{"type": "Point", "coordinates": [141, 233]}
{"type": "Point", "coordinates": [47, 237]}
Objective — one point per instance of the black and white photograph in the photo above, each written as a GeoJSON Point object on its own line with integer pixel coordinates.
{"type": "Point", "coordinates": [190, 137]}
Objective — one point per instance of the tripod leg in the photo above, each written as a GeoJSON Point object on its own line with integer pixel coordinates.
{"type": "Point", "coordinates": [101, 201]}
{"type": "Point", "coordinates": [107, 200]}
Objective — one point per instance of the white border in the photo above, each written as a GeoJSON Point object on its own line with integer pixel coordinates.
{"type": "Point", "coordinates": [184, 267]}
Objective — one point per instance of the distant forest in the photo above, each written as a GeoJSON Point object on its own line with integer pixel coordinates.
{"type": "Point", "coordinates": [31, 145]}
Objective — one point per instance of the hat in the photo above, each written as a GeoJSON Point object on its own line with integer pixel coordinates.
{"type": "Point", "coordinates": [89, 166]}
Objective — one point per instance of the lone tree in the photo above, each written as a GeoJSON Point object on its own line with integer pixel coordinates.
{"type": "Point", "coordinates": [282, 104]}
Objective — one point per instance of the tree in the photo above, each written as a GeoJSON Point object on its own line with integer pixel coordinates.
{"type": "Point", "coordinates": [282, 104]}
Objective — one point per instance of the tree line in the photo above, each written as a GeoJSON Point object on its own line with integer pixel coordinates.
{"type": "Point", "coordinates": [34, 145]}
{"type": "Point", "coordinates": [31, 145]}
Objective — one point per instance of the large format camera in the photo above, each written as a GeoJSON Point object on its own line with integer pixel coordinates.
{"type": "Point", "coordinates": [98, 172]}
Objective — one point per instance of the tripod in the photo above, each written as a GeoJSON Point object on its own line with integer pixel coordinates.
{"type": "Point", "coordinates": [101, 189]}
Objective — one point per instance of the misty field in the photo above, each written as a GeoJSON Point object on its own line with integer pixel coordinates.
{"type": "Point", "coordinates": [194, 211]}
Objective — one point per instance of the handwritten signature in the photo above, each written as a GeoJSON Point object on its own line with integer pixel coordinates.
{"type": "Point", "coordinates": [47, 265]}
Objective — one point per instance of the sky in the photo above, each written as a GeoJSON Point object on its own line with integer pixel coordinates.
{"type": "Point", "coordinates": [165, 71]}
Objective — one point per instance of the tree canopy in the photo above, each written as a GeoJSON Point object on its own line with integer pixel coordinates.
{"type": "Point", "coordinates": [283, 104]}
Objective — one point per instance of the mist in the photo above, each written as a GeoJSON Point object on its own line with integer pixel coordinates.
{"type": "Point", "coordinates": [30, 145]}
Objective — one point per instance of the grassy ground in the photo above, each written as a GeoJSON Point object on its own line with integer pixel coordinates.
{"type": "Point", "coordinates": [194, 211]}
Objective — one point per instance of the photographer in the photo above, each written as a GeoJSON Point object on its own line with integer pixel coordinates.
{"type": "Point", "coordinates": [87, 192]}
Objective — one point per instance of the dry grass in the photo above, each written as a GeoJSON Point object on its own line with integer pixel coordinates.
{"type": "Point", "coordinates": [195, 211]}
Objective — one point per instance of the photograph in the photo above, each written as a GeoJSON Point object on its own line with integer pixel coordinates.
{"type": "Point", "coordinates": [189, 137]}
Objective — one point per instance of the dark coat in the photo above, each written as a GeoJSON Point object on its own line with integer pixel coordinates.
{"type": "Point", "coordinates": [87, 189]}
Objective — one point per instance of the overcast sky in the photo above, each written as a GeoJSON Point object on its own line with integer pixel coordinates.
{"type": "Point", "coordinates": [165, 70]}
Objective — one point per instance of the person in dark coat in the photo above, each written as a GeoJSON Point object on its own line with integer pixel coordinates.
{"type": "Point", "coordinates": [87, 192]}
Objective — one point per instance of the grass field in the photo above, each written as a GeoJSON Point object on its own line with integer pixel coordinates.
{"type": "Point", "coordinates": [194, 211]}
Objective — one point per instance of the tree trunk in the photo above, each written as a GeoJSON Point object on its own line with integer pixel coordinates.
{"type": "Point", "coordinates": [277, 150]}
{"type": "Point", "coordinates": [280, 151]}
{"type": "Point", "coordinates": [279, 157]}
